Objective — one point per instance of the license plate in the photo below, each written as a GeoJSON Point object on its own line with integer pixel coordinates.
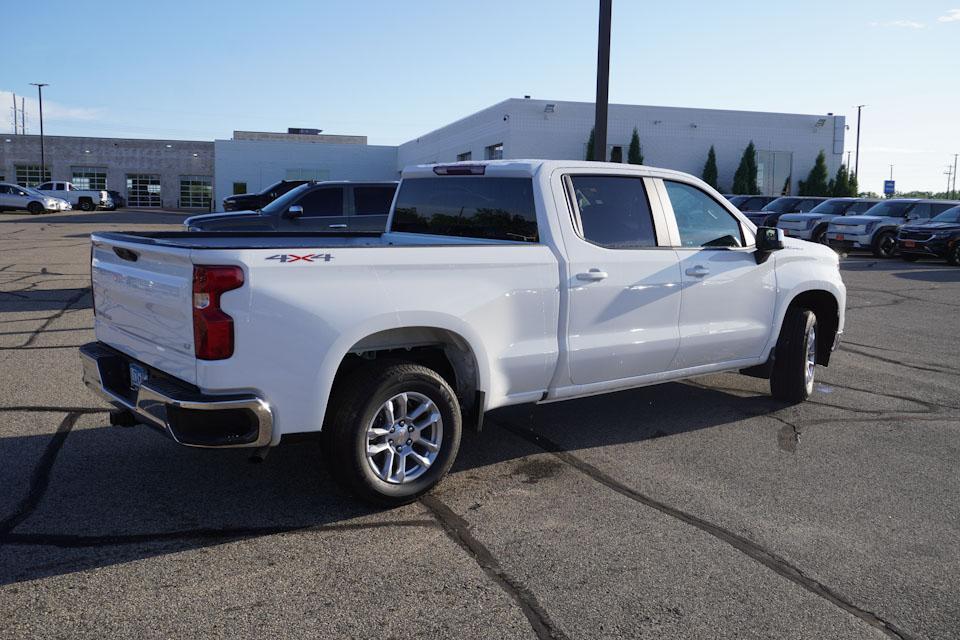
{"type": "Point", "coordinates": [839, 236]}
{"type": "Point", "coordinates": [909, 243]}
{"type": "Point", "coordinates": [138, 375]}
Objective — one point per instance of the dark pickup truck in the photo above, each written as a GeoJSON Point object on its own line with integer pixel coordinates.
{"type": "Point", "coordinates": [314, 206]}
{"type": "Point", "coordinates": [253, 201]}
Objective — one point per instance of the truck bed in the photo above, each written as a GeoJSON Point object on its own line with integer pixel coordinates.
{"type": "Point", "coordinates": [245, 239]}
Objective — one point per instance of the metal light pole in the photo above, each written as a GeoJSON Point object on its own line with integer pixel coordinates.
{"type": "Point", "coordinates": [856, 170]}
{"type": "Point", "coordinates": [43, 166]}
{"type": "Point", "coordinates": [848, 161]}
{"type": "Point", "coordinates": [891, 172]}
{"type": "Point", "coordinates": [603, 82]}
{"type": "Point", "coordinates": [955, 174]}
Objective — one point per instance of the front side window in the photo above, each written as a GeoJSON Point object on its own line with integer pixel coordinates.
{"type": "Point", "coordinates": [891, 209]}
{"type": "Point", "coordinates": [807, 205]}
{"type": "Point", "coordinates": [950, 215]}
{"type": "Point", "coordinates": [470, 207]}
{"type": "Point", "coordinates": [614, 211]}
{"type": "Point", "coordinates": [701, 220]}
{"type": "Point", "coordinates": [782, 205]}
{"type": "Point", "coordinates": [369, 201]}
{"type": "Point", "coordinates": [833, 207]}
{"type": "Point", "coordinates": [321, 203]}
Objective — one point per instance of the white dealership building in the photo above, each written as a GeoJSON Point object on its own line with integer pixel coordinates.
{"type": "Point", "coordinates": [677, 138]}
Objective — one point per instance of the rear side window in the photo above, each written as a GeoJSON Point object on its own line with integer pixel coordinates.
{"type": "Point", "coordinates": [614, 211]}
{"type": "Point", "coordinates": [322, 202]}
{"type": "Point", "coordinates": [373, 200]}
{"type": "Point", "coordinates": [468, 207]}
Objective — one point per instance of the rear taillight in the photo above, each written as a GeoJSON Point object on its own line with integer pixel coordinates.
{"type": "Point", "coordinates": [212, 328]}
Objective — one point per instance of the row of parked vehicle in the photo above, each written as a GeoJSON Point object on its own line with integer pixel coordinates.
{"type": "Point", "coordinates": [56, 196]}
{"type": "Point", "coordinates": [911, 227]}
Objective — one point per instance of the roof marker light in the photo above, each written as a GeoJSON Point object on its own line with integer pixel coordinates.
{"type": "Point", "coordinates": [460, 170]}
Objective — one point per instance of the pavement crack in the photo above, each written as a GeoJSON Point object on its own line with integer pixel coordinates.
{"type": "Point", "coordinates": [41, 476]}
{"type": "Point", "coordinates": [751, 549]}
{"type": "Point", "coordinates": [72, 301]}
{"type": "Point", "coordinates": [459, 531]}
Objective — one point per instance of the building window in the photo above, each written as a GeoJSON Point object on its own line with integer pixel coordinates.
{"type": "Point", "coordinates": [143, 190]}
{"type": "Point", "coordinates": [308, 174]}
{"type": "Point", "coordinates": [239, 188]}
{"type": "Point", "coordinates": [30, 175]}
{"type": "Point", "coordinates": [90, 178]}
{"type": "Point", "coordinates": [195, 192]}
{"type": "Point", "coordinates": [463, 157]}
{"type": "Point", "coordinates": [494, 152]}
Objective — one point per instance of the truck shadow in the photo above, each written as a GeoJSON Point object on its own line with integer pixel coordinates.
{"type": "Point", "coordinates": [122, 216]}
{"type": "Point", "coordinates": [45, 299]}
{"type": "Point", "coordinates": [115, 495]}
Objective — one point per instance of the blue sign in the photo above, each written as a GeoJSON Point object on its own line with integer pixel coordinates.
{"type": "Point", "coordinates": [889, 187]}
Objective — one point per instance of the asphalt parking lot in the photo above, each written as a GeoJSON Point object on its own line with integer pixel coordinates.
{"type": "Point", "coordinates": [692, 510]}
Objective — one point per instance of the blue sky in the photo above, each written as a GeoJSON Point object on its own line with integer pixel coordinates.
{"type": "Point", "coordinates": [393, 70]}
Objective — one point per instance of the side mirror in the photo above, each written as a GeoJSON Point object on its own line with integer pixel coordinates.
{"type": "Point", "coordinates": [293, 212]}
{"type": "Point", "coordinates": [769, 239]}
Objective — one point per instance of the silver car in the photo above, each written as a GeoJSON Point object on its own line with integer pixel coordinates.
{"type": "Point", "coordinates": [15, 197]}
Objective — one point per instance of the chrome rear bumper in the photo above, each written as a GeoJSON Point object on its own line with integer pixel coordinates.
{"type": "Point", "coordinates": [189, 417]}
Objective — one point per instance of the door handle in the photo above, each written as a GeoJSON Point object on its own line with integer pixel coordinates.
{"type": "Point", "coordinates": [337, 226]}
{"type": "Point", "coordinates": [592, 276]}
{"type": "Point", "coordinates": [698, 271]}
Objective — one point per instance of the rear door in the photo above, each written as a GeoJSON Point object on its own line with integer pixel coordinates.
{"type": "Point", "coordinates": [370, 207]}
{"type": "Point", "coordinates": [143, 298]}
{"type": "Point", "coordinates": [323, 210]}
{"type": "Point", "coordinates": [623, 280]}
{"type": "Point", "coordinates": [728, 300]}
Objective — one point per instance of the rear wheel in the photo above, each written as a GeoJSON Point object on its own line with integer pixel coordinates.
{"type": "Point", "coordinates": [34, 208]}
{"type": "Point", "coordinates": [795, 358]}
{"type": "Point", "coordinates": [393, 433]}
{"type": "Point", "coordinates": [885, 245]}
{"type": "Point", "coordinates": [86, 205]}
{"type": "Point", "coordinates": [953, 255]}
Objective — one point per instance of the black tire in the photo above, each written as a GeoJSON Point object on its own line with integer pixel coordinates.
{"type": "Point", "coordinates": [356, 402]}
{"type": "Point", "coordinates": [953, 254]}
{"type": "Point", "coordinates": [909, 257]}
{"type": "Point", "coordinates": [86, 205]}
{"type": "Point", "coordinates": [885, 245]}
{"type": "Point", "coordinates": [788, 380]}
{"type": "Point", "coordinates": [820, 235]}
{"type": "Point", "coordinates": [34, 208]}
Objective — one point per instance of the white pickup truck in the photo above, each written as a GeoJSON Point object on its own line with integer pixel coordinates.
{"type": "Point", "coordinates": [495, 284]}
{"type": "Point", "coordinates": [83, 199]}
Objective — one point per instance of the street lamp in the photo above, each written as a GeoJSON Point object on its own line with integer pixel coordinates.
{"type": "Point", "coordinates": [43, 167]}
{"type": "Point", "coordinates": [603, 82]}
{"type": "Point", "coordinates": [856, 170]}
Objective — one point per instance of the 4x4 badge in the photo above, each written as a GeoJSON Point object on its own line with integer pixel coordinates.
{"type": "Point", "coordinates": [309, 257]}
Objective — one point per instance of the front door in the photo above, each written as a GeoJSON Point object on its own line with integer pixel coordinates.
{"type": "Point", "coordinates": [727, 301]}
{"type": "Point", "coordinates": [323, 210]}
{"type": "Point", "coordinates": [623, 282]}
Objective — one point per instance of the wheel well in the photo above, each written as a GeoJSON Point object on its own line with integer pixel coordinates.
{"type": "Point", "coordinates": [825, 307]}
{"type": "Point", "coordinates": [444, 351]}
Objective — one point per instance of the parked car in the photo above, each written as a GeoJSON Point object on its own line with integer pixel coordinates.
{"type": "Point", "coordinates": [13, 197]}
{"type": "Point", "coordinates": [938, 238]}
{"type": "Point", "coordinates": [768, 215]}
{"type": "Point", "coordinates": [83, 199]}
{"type": "Point", "coordinates": [876, 230]}
{"type": "Point", "coordinates": [119, 202]}
{"type": "Point", "coordinates": [813, 224]}
{"type": "Point", "coordinates": [751, 203]}
{"type": "Point", "coordinates": [254, 201]}
{"type": "Point", "coordinates": [315, 206]}
{"type": "Point", "coordinates": [496, 284]}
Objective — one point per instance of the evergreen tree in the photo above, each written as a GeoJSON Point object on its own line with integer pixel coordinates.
{"type": "Point", "coordinates": [590, 143]}
{"type": "Point", "coordinates": [745, 178]}
{"type": "Point", "coordinates": [710, 168]}
{"type": "Point", "coordinates": [816, 182]}
{"type": "Point", "coordinates": [853, 188]}
{"type": "Point", "coordinates": [635, 152]}
{"type": "Point", "coordinates": [841, 183]}
{"type": "Point", "coordinates": [786, 186]}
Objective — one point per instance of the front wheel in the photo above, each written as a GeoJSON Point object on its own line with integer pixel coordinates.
{"type": "Point", "coordinates": [795, 358]}
{"type": "Point", "coordinates": [35, 208]}
{"type": "Point", "coordinates": [885, 246]}
{"type": "Point", "coordinates": [953, 255]}
{"type": "Point", "coordinates": [820, 235]}
{"type": "Point", "coordinates": [86, 205]}
{"type": "Point", "coordinates": [393, 433]}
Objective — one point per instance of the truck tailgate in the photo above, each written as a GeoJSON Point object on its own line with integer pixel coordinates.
{"type": "Point", "coordinates": [143, 300]}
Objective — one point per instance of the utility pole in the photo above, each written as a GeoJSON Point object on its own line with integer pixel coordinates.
{"type": "Point", "coordinates": [603, 82]}
{"type": "Point", "coordinates": [856, 170]}
{"type": "Point", "coordinates": [955, 174]}
{"type": "Point", "coordinates": [848, 161]}
{"type": "Point", "coordinates": [43, 166]}
{"type": "Point", "coordinates": [949, 173]}
{"type": "Point", "coordinates": [14, 114]}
